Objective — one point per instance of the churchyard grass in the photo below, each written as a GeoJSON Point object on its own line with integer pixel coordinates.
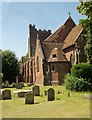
{"type": "Point", "coordinates": [63, 106]}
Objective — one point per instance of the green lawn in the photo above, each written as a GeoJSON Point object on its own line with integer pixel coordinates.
{"type": "Point", "coordinates": [62, 107]}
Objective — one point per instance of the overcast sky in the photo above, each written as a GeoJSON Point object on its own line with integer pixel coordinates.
{"type": "Point", "coordinates": [16, 17]}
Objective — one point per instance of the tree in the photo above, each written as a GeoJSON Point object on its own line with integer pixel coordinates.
{"type": "Point", "coordinates": [10, 66]}
{"type": "Point", "coordinates": [85, 8]}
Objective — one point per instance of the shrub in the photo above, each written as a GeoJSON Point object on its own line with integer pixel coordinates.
{"type": "Point", "coordinates": [76, 84]}
{"type": "Point", "coordinates": [82, 70]}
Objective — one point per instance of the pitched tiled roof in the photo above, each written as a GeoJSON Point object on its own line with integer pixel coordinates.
{"type": "Point", "coordinates": [49, 49]}
{"type": "Point", "coordinates": [60, 34]}
{"type": "Point", "coordinates": [72, 36]}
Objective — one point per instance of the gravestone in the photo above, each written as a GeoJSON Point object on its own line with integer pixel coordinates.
{"type": "Point", "coordinates": [21, 94]}
{"type": "Point", "coordinates": [6, 94]}
{"type": "Point", "coordinates": [29, 98]}
{"type": "Point", "coordinates": [19, 85]}
{"type": "Point", "coordinates": [36, 90]}
{"type": "Point", "coordinates": [51, 94]}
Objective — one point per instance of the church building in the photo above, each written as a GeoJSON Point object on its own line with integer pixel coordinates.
{"type": "Point", "coordinates": [51, 55]}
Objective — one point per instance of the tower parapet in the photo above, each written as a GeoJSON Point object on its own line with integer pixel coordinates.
{"type": "Point", "coordinates": [32, 37]}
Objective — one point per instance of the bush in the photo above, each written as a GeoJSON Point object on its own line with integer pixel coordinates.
{"type": "Point", "coordinates": [82, 70]}
{"type": "Point", "coordinates": [76, 84]}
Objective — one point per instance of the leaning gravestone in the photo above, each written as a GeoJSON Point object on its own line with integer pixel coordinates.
{"type": "Point", "coordinates": [36, 90]}
{"type": "Point", "coordinates": [51, 94]}
{"type": "Point", "coordinates": [29, 98]}
{"type": "Point", "coordinates": [6, 94]}
{"type": "Point", "coordinates": [19, 85]}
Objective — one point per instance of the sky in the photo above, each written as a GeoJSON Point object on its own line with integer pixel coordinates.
{"type": "Point", "coordinates": [16, 17]}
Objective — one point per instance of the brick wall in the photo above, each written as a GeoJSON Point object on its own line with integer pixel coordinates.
{"type": "Point", "coordinates": [39, 60]}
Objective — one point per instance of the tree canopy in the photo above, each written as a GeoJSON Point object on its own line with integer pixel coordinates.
{"type": "Point", "coordinates": [85, 8]}
{"type": "Point", "coordinates": [10, 66]}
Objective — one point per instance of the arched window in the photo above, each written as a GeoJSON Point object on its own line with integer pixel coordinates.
{"type": "Point", "coordinates": [37, 64]}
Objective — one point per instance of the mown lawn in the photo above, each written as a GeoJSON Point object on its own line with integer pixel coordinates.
{"type": "Point", "coordinates": [63, 106]}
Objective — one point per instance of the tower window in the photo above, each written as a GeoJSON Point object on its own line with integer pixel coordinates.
{"type": "Point", "coordinates": [54, 55]}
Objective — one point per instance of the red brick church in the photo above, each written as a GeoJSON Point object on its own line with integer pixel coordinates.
{"type": "Point", "coordinates": [51, 55]}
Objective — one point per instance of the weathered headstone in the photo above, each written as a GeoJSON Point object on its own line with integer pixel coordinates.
{"type": "Point", "coordinates": [19, 85]}
{"type": "Point", "coordinates": [36, 90]}
{"type": "Point", "coordinates": [51, 94]}
{"type": "Point", "coordinates": [29, 98]}
{"type": "Point", "coordinates": [21, 94]}
{"type": "Point", "coordinates": [6, 94]}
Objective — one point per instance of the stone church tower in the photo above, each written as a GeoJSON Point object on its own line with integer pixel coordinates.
{"type": "Point", "coordinates": [43, 34]}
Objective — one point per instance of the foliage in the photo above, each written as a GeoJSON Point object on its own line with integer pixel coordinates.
{"type": "Point", "coordinates": [10, 66]}
{"type": "Point", "coordinates": [85, 8]}
{"type": "Point", "coordinates": [80, 78]}
{"type": "Point", "coordinates": [83, 70]}
{"type": "Point", "coordinates": [76, 84]}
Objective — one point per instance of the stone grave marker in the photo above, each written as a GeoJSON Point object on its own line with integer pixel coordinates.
{"type": "Point", "coordinates": [6, 94]}
{"type": "Point", "coordinates": [36, 90]}
{"type": "Point", "coordinates": [19, 85]}
{"type": "Point", "coordinates": [51, 94]}
{"type": "Point", "coordinates": [29, 98]}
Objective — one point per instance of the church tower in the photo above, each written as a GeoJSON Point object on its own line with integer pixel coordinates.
{"type": "Point", "coordinates": [32, 37]}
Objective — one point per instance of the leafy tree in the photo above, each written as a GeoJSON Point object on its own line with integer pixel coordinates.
{"type": "Point", "coordinates": [10, 66]}
{"type": "Point", "coordinates": [85, 8]}
{"type": "Point", "coordinates": [83, 70]}
{"type": "Point", "coordinates": [76, 84]}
